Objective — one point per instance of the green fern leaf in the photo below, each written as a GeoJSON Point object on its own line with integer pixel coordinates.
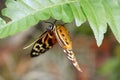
{"type": "Point", "coordinates": [113, 16]}
{"type": "Point", "coordinates": [95, 14]}
{"type": "Point", "coordinates": [25, 13]}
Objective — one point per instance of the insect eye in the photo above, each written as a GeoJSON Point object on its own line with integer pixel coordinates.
{"type": "Point", "coordinates": [50, 27]}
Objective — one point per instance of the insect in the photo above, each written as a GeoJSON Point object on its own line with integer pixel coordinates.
{"type": "Point", "coordinates": [64, 41]}
{"type": "Point", "coordinates": [54, 34]}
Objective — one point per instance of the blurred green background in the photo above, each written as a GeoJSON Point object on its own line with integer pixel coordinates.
{"type": "Point", "coordinates": [97, 63]}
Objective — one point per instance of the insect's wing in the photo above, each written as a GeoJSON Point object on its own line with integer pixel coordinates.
{"type": "Point", "coordinates": [46, 41]}
{"type": "Point", "coordinates": [70, 55]}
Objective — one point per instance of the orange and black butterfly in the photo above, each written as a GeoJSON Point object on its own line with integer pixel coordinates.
{"type": "Point", "coordinates": [55, 33]}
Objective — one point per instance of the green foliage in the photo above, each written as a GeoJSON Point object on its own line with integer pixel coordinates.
{"type": "Point", "coordinates": [112, 65]}
{"type": "Point", "coordinates": [25, 13]}
{"type": "Point", "coordinates": [111, 68]}
{"type": "Point", "coordinates": [2, 22]}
